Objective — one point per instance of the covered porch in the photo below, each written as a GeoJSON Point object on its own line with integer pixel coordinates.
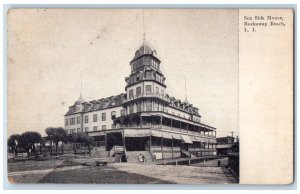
{"type": "Point", "coordinates": [162, 120]}
{"type": "Point", "coordinates": [161, 143]}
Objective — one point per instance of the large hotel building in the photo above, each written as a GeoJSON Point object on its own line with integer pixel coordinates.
{"type": "Point", "coordinates": [144, 119]}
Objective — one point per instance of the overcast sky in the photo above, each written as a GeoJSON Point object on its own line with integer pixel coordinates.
{"type": "Point", "coordinates": [47, 49]}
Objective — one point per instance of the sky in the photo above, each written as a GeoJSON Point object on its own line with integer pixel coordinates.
{"type": "Point", "coordinates": [48, 48]}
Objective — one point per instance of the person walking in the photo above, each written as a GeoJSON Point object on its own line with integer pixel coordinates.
{"type": "Point", "coordinates": [144, 159]}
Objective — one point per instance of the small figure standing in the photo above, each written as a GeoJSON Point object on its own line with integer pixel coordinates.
{"type": "Point", "coordinates": [140, 158]}
{"type": "Point", "coordinates": [144, 160]}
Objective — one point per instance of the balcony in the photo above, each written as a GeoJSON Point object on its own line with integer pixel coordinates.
{"type": "Point", "coordinates": [167, 128]}
{"type": "Point", "coordinates": [148, 95]}
{"type": "Point", "coordinates": [131, 81]}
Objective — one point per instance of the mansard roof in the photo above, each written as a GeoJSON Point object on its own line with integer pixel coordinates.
{"type": "Point", "coordinates": [103, 103]}
{"type": "Point", "coordinates": [187, 107]}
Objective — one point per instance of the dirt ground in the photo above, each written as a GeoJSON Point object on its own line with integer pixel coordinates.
{"type": "Point", "coordinates": [125, 173]}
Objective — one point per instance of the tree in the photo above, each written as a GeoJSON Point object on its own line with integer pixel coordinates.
{"type": "Point", "coordinates": [81, 138]}
{"type": "Point", "coordinates": [13, 143]}
{"type": "Point", "coordinates": [73, 138]}
{"type": "Point", "coordinates": [85, 140]}
{"type": "Point", "coordinates": [28, 139]}
{"type": "Point", "coordinates": [56, 135]}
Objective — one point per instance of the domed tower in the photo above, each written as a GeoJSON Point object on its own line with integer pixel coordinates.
{"type": "Point", "coordinates": [145, 86]}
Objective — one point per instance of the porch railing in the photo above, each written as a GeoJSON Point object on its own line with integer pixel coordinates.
{"type": "Point", "coordinates": [166, 128]}
{"type": "Point", "coordinates": [151, 95]}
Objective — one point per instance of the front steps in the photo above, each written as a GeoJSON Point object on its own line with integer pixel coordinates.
{"type": "Point", "coordinates": [133, 157]}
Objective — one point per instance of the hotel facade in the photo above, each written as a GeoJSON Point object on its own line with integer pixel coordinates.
{"type": "Point", "coordinates": [144, 119]}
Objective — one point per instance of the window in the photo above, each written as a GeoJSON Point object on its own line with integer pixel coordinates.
{"type": "Point", "coordinates": [86, 119]}
{"type": "Point", "coordinates": [113, 114]}
{"type": "Point", "coordinates": [131, 94]}
{"type": "Point", "coordinates": [138, 107]}
{"type": "Point", "coordinates": [95, 128]}
{"type": "Point", "coordinates": [123, 112]}
{"type": "Point", "coordinates": [138, 90]}
{"type": "Point", "coordinates": [86, 129]}
{"type": "Point", "coordinates": [103, 116]}
{"type": "Point", "coordinates": [156, 106]}
{"type": "Point", "coordinates": [103, 127]}
{"type": "Point", "coordinates": [78, 120]}
{"type": "Point", "coordinates": [162, 92]}
{"type": "Point", "coordinates": [156, 90]}
{"type": "Point", "coordinates": [72, 121]}
{"type": "Point", "coordinates": [131, 109]}
{"type": "Point", "coordinates": [148, 106]}
{"type": "Point", "coordinates": [95, 118]}
{"type": "Point", "coordinates": [148, 89]}
{"type": "Point", "coordinates": [148, 74]}
{"type": "Point", "coordinates": [67, 122]}
{"type": "Point", "coordinates": [78, 130]}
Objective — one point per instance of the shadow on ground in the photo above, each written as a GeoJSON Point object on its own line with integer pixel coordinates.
{"type": "Point", "coordinates": [99, 175]}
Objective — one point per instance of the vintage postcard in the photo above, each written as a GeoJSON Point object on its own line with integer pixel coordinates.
{"type": "Point", "coordinates": [150, 96]}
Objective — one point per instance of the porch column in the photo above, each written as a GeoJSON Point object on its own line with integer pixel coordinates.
{"type": "Point", "coordinates": [200, 148]}
{"type": "Point", "coordinates": [124, 148]}
{"type": "Point", "coordinates": [122, 122]}
{"type": "Point", "coordinates": [105, 140]}
{"type": "Point", "coordinates": [150, 144]}
{"type": "Point", "coordinates": [162, 147]}
{"type": "Point", "coordinates": [180, 125]}
{"type": "Point", "coordinates": [161, 118]}
{"type": "Point", "coordinates": [204, 151]}
{"type": "Point", "coordinates": [141, 121]}
{"type": "Point", "coordinates": [171, 124]}
{"type": "Point", "coordinates": [172, 149]}
{"type": "Point", "coordinates": [187, 128]}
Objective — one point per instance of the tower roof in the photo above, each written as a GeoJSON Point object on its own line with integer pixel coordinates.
{"type": "Point", "coordinates": [144, 49]}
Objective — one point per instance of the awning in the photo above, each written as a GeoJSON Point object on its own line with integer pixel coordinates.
{"type": "Point", "coordinates": [136, 133]}
{"type": "Point", "coordinates": [186, 139]}
{"type": "Point", "coordinates": [167, 135]}
{"type": "Point", "coordinates": [176, 136]}
{"type": "Point", "coordinates": [150, 114]}
{"type": "Point", "coordinates": [199, 139]}
{"type": "Point", "coordinates": [155, 133]}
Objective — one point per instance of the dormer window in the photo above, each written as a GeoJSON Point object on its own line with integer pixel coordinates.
{"type": "Point", "coordinates": [95, 107]}
{"type": "Point", "coordinates": [148, 74]}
